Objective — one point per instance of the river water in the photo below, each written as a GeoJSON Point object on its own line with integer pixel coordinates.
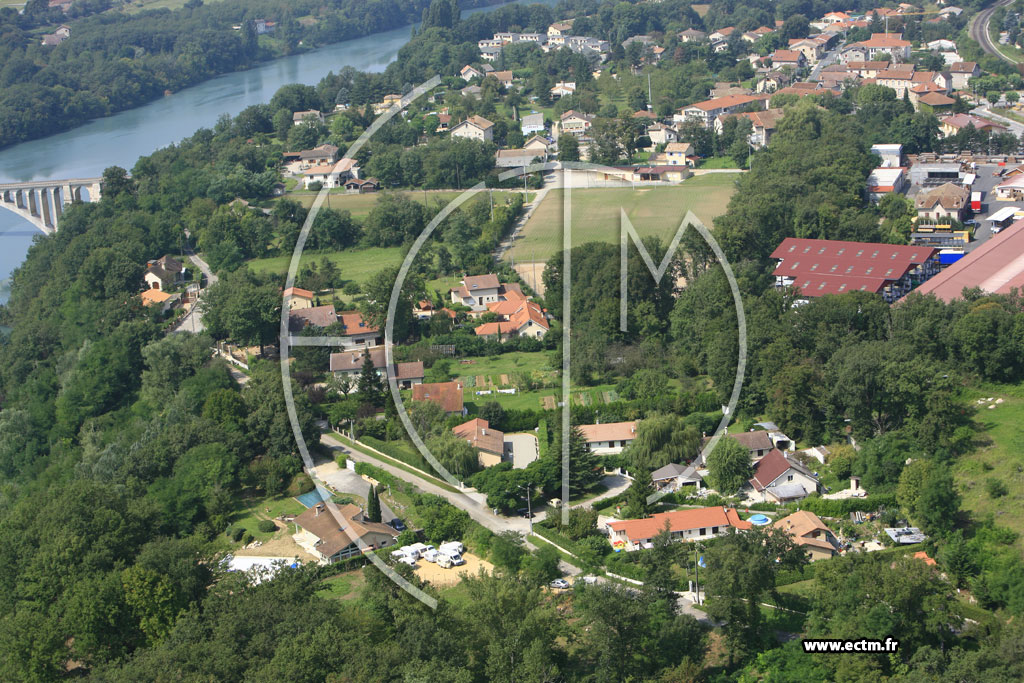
{"type": "Point", "coordinates": [121, 139]}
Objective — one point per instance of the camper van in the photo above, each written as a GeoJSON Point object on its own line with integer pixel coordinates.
{"type": "Point", "coordinates": [453, 545]}
{"type": "Point", "coordinates": [452, 556]}
{"type": "Point", "coordinates": [444, 561]}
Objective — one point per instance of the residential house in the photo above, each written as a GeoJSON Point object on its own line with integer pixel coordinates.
{"type": "Point", "coordinates": [505, 78]}
{"type": "Point", "coordinates": [935, 103]}
{"type": "Point", "coordinates": [645, 114]}
{"type": "Point", "coordinates": [672, 477]}
{"type": "Point", "coordinates": [468, 73]}
{"type": "Point", "coordinates": [812, 50]}
{"type": "Point", "coordinates": [791, 58]}
{"type": "Point", "coordinates": [532, 123]}
{"type": "Point", "coordinates": [330, 540]}
{"type": "Point", "coordinates": [891, 155]}
{"type": "Point", "coordinates": [868, 69]}
{"type": "Point", "coordinates": [331, 175]}
{"type": "Point", "coordinates": [350, 364]}
{"type": "Point", "coordinates": [779, 478]}
{"type": "Point", "coordinates": [444, 123]}
{"type": "Point", "coordinates": [356, 331]}
{"type": "Point", "coordinates": [762, 125]}
{"type": "Point", "coordinates": [474, 128]}
{"type": "Point", "coordinates": [559, 29]}
{"type": "Point", "coordinates": [538, 145]}
{"type": "Point", "coordinates": [563, 88]}
{"type": "Point", "coordinates": [321, 154]}
{"type": "Point", "coordinates": [301, 117]}
{"type": "Point", "coordinates": [62, 33]}
{"type": "Point", "coordinates": [962, 73]}
{"type": "Point", "coordinates": [489, 53]}
{"type": "Point", "coordinates": [808, 531]}
{"type": "Point", "coordinates": [835, 18]}
{"type": "Point", "coordinates": [721, 34]}
{"type": "Point", "coordinates": [489, 443]}
{"type": "Point", "coordinates": [298, 298]}
{"type": "Point", "coordinates": [706, 112]}
{"type": "Point", "coordinates": [575, 123]}
{"type": "Point", "coordinates": [772, 81]}
{"type": "Point", "coordinates": [158, 297]}
{"type": "Point", "coordinates": [447, 395]}
{"type": "Point", "coordinates": [891, 44]}
{"type": "Point", "coordinates": [314, 316]}
{"type": "Point", "coordinates": [516, 158]}
{"type": "Point", "coordinates": [660, 134]}
{"type": "Point", "coordinates": [698, 524]}
{"type": "Point", "coordinates": [951, 125]}
{"type": "Point", "coordinates": [679, 154]}
{"type": "Point", "coordinates": [691, 35]}
{"type": "Point", "coordinates": [608, 438]}
{"type": "Point", "coordinates": [758, 443]}
{"type": "Point", "coordinates": [517, 317]}
{"type": "Point", "coordinates": [163, 272]}
{"type": "Point", "coordinates": [477, 291]}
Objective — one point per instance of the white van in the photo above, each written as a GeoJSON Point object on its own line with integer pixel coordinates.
{"type": "Point", "coordinates": [453, 545]}
{"type": "Point", "coordinates": [430, 555]}
{"type": "Point", "coordinates": [408, 551]}
{"type": "Point", "coordinates": [420, 548]}
{"type": "Point", "coordinates": [444, 561]}
{"type": "Point", "coordinates": [454, 557]}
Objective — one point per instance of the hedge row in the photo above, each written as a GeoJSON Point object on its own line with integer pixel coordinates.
{"type": "Point", "coordinates": [400, 451]}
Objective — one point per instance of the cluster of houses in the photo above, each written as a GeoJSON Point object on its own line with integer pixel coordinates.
{"type": "Point", "coordinates": [559, 35]}
{"type": "Point", "coordinates": [517, 314]}
{"type": "Point", "coordinates": [322, 167]}
{"type": "Point", "coordinates": [164, 285]}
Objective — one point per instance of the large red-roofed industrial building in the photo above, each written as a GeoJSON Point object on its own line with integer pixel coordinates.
{"type": "Point", "coordinates": [820, 267]}
{"type": "Point", "coordinates": [995, 267]}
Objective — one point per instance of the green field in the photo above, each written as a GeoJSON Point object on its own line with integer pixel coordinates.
{"type": "Point", "coordinates": [360, 205]}
{"type": "Point", "coordinates": [357, 265]}
{"type": "Point", "coordinates": [998, 456]}
{"type": "Point", "coordinates": [652, 211]}
{"type": "Point", "coordinates": [256, 509]}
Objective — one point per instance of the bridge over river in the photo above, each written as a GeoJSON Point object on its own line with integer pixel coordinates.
{"type": "Point", "coordinates": [41, 202]}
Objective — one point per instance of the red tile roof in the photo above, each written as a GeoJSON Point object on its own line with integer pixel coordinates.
{"type": "Point", "coordinates": [481, 437]}
{"type": "Point", "coordinates": [771, 467]}
{"type": "Point", "coordinates": [611, 431]}
{"type": "Point", "coordinates": [679, 521]}
{"type": "Point", "coordinates": [448, 395]}
{"type": "Point", "coordinates": [354, 323]}
{"type": "Point", "coordinates": [727, 101]}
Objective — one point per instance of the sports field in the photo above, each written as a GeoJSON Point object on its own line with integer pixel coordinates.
{"type": "Point", "coordinates": [595, 213]}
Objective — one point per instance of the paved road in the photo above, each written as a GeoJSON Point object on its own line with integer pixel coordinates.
{"type": "Point", "coordinates": [193, 320]}
{"type": "Point", "coordinates": [979, 31]}
{"type": "Point", "coordinates": [478, 512]}
{"type": "Point", "coordinates": [1015, 127]}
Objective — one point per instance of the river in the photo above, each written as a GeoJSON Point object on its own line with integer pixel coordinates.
{"type": "Point", "coordinates": [119, 140]}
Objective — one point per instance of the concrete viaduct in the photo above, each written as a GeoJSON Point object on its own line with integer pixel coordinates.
{"type": "Point", "coordinates": [41, 202]}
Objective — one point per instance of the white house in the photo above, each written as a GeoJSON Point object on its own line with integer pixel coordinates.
{"type": "Point", "coordinates": [301, 117]}
{"type": "Point", "coordinates": [474, 128]}
{"type": "Point", "coordinates": [563, 88]}
{"type": "Point", "coordinates": [683, 525]}
{"type": "Point", "coordinates": [609, 438]}
{"type": "Point", "coordinates": [532, 124]}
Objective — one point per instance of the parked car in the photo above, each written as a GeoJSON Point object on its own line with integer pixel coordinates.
{"type": "Point", "coordinates": [406, 559]}
{"type": "Point", "coordinates": [430, 555]}
{"type": "Point", "coordinates": [397, 524]}
{"type": "Point", "coordinates": [444, 561]}
{"type": "Point", "coordinates": [560, 584]}
{"type": "Point", "coordinates": [525, 513]}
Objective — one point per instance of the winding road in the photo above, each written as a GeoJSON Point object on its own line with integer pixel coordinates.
{"type": "Point", "coordinates": [979, 31]}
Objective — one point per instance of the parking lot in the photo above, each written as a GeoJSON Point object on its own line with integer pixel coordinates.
{"type": "Point", "coordinates": [985, 182]}
{"type": "Point", "coordinates": [433, 573]}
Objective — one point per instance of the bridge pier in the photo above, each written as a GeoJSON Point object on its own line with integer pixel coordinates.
{"type": "Point", "coordinates": [44, 206]}
{"type": "Point", "coordinates": [58, 209]}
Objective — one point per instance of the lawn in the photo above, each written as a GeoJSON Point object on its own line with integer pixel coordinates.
{"type": "Point", "coordinates": [252, 510]}
{"type": "Point", "coordinates": [357, 265]}
{"type": "Point", "coordinates": [343, 586]}
{"type": "Point", "coordinates": [998, 456]}
{"type": "Point", "coordinates": [652, 211]}
{"type": "Point", "coordinates": [718, 162]}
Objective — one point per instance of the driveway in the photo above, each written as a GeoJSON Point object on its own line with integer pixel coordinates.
{"type": "Point", "coordinates": [342, 480]}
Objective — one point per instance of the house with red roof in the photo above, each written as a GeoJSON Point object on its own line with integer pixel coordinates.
{"type": "Point", "coordinates": [447, 395]}
{"type": "Point", "coordinates": [707, 111]}
{"type": "Point", "coordinates": [357, 331]}
{"type": "Point", "coordinates": [489, 443]}
{"type": "Point", "coordinates": [891, 44]}
{"type": "Point", "coordinates": [478, 291]}
{"type": "Point", "coordinates": [517, 317]}
{"type": "Point", "coordinates": [610, 437]}
{"type": "Point", "coordinates": [683, 525]}
{"type": "Point", "coordinates": [778, 478]}
{"type": "Point", "coordinates": [808, 531]}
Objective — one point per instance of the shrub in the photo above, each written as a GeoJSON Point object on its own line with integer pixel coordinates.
{"type": "Point", "coordinates": [301, 483]}
{"type": "Point", "coordinates": [267, 526]}
{"type": "Point", "coordinates": [247, 538]}
{"type": "Point", "coordinates": [342, 460]}
{"type": "Point", "coordinates": [237, 533]}
{"type": "Point", "coordinates": [995, 488]}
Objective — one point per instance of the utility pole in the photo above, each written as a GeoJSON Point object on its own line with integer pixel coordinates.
{"type": "Point", "coordinates": [696, 571]}
{"type": "Point", "coordinates": [650, 98]}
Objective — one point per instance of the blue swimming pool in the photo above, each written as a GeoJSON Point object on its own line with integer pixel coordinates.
{"type": "Point", "coordinates": [759, 520]}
